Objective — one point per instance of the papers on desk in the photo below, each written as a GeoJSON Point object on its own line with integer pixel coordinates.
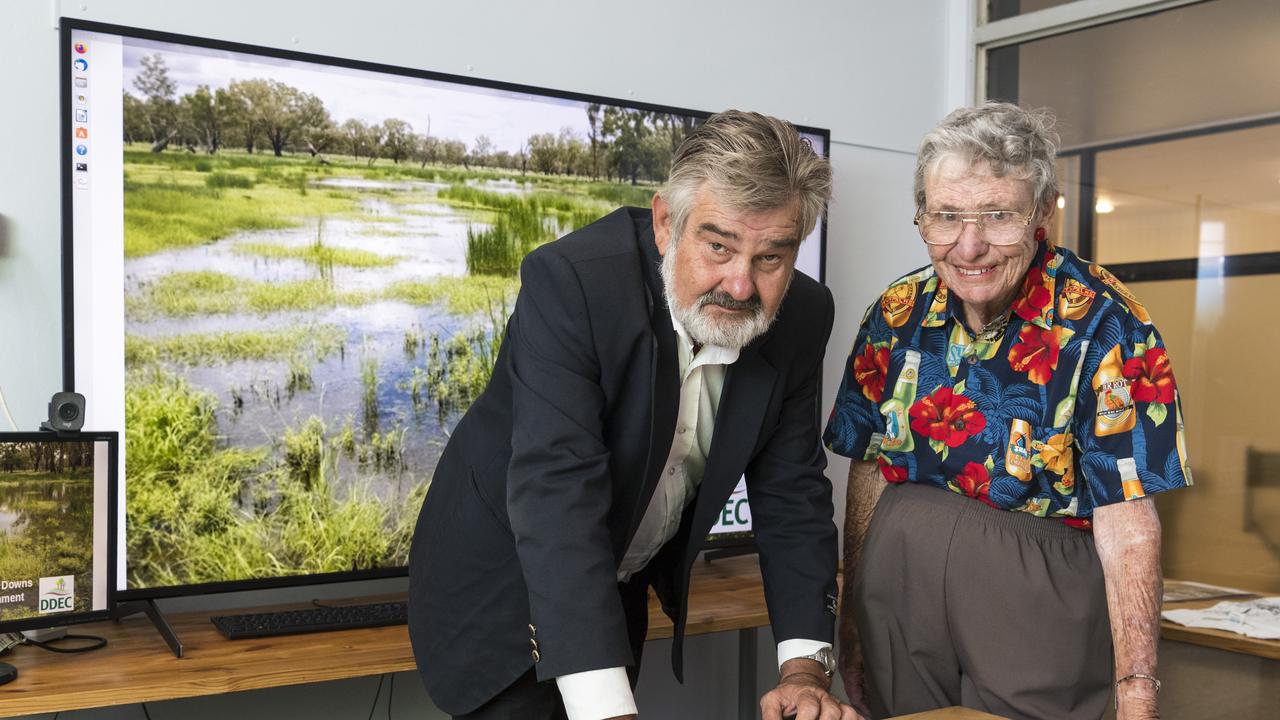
{"type": "Point", "coordinates": [1259, 618]}
{"type": "Point", "coordinates": [1179, 590]}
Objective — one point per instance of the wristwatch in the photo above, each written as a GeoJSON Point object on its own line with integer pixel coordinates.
{"type": "Point", "coordinates": [823, 657]}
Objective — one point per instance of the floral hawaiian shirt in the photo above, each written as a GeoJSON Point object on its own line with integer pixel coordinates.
{"type": "Point", "coordinates": [1073, 407]}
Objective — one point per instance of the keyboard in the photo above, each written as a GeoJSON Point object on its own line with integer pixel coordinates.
{"type": "Point", "coordinates": [312, 619]}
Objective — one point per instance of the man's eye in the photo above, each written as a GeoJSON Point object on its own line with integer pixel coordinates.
{"type": "Point", "coordinates": [949, 217]}
{"type": "Point", "coordinates": [716, 247]}
{"type": "Point", "coordinates": [771, 259]}
{"type": "Point", "coordinates": [999, 215]}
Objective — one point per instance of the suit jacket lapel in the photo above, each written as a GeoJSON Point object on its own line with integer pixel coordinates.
{"type": "Point", "coordinates": [664, 378]}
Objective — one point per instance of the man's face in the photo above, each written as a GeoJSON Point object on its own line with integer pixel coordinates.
{"type": "Point", "coordinates": [725, 277]}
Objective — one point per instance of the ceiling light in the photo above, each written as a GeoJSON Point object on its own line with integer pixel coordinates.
{"type": "Point", "coordinates": [1104, 206]}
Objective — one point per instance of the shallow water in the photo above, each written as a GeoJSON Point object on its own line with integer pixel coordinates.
{"type": "Point", "coordinates": [256, 407]}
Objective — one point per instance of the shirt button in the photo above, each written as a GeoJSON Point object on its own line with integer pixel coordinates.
{"type": "Point", "coordinates": [537, 657]}
{"type": "Point", "coordinates": [671, 471]}
{"type": "Point", "coordinates": [533, 631]}
{"type": "Point", "coordinates": [681, 430]}
{"type": "Point", "coordinates": [972, 359]}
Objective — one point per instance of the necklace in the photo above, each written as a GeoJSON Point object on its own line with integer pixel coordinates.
{"type": "Point", "coordinates": [994, 329]}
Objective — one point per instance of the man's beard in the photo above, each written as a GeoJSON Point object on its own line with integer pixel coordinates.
{"type": "Point", "coordinates": [726, 332]}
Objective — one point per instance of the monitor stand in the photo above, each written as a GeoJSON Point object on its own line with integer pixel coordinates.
{"type": "Point", "coordinates": [8, 673]}
{"type": "Point", "coordinates": [149, 607]}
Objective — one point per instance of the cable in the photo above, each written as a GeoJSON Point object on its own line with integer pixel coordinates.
{"type": "Point", "coordinates": [377, 695]}
{"type": "Point", "coordinates": [145, 711]}
{"type": "Point", "coordinates": [5, 406]}
{"type": "Point", "coordinates": [391, 694]}
{"type": "Point", "coordinates": [95, 643]}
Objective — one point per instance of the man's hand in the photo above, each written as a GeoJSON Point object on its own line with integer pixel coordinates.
{"type": "Point", "coordinates": [802, 693]}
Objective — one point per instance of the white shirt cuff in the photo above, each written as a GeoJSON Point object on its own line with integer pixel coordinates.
{"type": "Point", "coordinates": [791, 649]}
{"type": "Point", "coordinates": [597, 694]}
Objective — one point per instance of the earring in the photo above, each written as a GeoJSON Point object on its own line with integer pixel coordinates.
{"type": "Point", "coordinates": [1041, 234]}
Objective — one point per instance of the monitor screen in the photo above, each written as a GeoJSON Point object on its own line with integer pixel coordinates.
{"type": "Point", "coordinates": [287, 277]}
{"type": "Point", "coordinates": [56, 497]}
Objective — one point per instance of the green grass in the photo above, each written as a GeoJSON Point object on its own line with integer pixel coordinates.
{"type": "Point", "coordinates": [183, 294]}
{"type": "Point", "coordinates": [456, 371]}
{"type": "Point", "coordinates": [581, 218]}
{"type": "Point", "coordinates": [217, 348]}
{"type": "Point", "coordinates": [227, 180]}
{"type": "Point", "coordinates": [496, 250]}
{"type": "Point", "coordinates": [369, 383]}
{"type": "Point", "coordinates": [414, 340]}
{"type": "Point", "coordinates": [318, 255]}
{"type": "Point", "coordinates": [173, 201]}
{"type": "Point", "coordinates": [299, 377]}
{"type": "Point", "coordinates": [461, 295]}
{"type": "Point", "coordinates": [615, 194]}
{"type": "Point", "coordinates": [199, 512]}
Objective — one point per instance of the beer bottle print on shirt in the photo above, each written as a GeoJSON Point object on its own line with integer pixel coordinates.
{"type": "Point", "coordinates": [1115, 411]}
{"type": "Point", "coordinates": [897, 425]}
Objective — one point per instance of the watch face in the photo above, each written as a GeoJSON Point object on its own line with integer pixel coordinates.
{"type": "Point", "coordinates": [826, 658]}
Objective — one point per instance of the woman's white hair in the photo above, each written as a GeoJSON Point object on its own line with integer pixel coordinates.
{"type": "Point", "coordinates": [1006, 138]}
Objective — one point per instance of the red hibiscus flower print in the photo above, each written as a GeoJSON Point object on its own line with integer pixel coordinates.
{"type": "Point", "coordinates": [975, 482]}
{"type": "Point", "coordinates": [947, 417]}
{"type": "Point", "coordinates": [1152, 377]}
{"type": "Point", "coordinates": [892, 473]}
{"type": "Point", "coordinates": [1036, 352]}
{"type": "Point", "coordinates": [869, 369]}
{"type": "Point", "coordinates": [1035, 299]}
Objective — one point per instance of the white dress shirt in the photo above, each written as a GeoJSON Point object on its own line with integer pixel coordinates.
{"type": "Point", "coordinates": [606, 693]}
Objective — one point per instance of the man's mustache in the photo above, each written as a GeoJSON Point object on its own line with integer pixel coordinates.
{"type": "Point", "coordinates": [727, 301]}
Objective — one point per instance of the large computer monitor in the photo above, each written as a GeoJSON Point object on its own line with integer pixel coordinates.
{"type": "Point", "coordinates": [56, 528]}
{"type": "Point", "coordinates": [287, 277]}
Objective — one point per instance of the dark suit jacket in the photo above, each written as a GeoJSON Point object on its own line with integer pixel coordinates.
{"type": "Point", "coordinates": [546, 477]}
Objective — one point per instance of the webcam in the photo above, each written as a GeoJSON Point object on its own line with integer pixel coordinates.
{"type": "Point", "coordinates": [66, 412]}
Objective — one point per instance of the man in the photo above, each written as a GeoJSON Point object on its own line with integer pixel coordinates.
{"type": "Point", "coordinates": [648, 364]}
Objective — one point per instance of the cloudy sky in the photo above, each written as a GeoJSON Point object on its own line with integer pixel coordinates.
{"type": "Point", "coordinates": [456, 112]}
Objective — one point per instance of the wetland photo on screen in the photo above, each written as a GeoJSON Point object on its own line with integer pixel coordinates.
{"type": "Point", "coordinates": [318, 267]}
{"type": "Point", "coordinates": [46, 527]}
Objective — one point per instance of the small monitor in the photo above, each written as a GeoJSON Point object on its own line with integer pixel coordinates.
{"type": "Point", "coordinates": [57, 492]}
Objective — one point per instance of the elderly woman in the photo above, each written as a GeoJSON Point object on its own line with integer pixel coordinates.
{"type": "Point", "coordinates": [1010, 411]}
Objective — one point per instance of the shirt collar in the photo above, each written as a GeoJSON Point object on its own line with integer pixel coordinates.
{"type": "Point", "coordinates": [705, 355]}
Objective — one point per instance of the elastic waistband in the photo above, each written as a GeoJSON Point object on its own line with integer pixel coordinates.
{"type": "Point", "coordinates": [973, 510]}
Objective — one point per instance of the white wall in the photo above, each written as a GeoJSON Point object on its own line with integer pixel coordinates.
{"type": "Point", "coordinates": [878, 74]}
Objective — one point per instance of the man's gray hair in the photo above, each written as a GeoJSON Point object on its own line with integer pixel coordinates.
{"type": "Point", "coordinates": [1007, 138]}
{"type": "Point", "coordinates": [750, 162]}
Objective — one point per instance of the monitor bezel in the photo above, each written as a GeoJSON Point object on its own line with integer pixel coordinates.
{"type": "Point", "coordinates": [70, 25]}
{"type": "Point", "coordinates": [113, 449]}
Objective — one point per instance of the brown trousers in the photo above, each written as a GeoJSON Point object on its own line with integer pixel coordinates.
{"type": "Point", "coordinates": [958, 603]}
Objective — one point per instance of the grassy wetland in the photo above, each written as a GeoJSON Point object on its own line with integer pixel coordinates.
{"type": "Point", "coordinates": [46, 522]}
{"type": "Point", "coordinates": [313, 299]}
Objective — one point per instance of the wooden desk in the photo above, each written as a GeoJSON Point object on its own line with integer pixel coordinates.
{"type": "Point", "coordinates": [136, 666]}
{"type": "Point", "coordinates": [1220, 639]}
